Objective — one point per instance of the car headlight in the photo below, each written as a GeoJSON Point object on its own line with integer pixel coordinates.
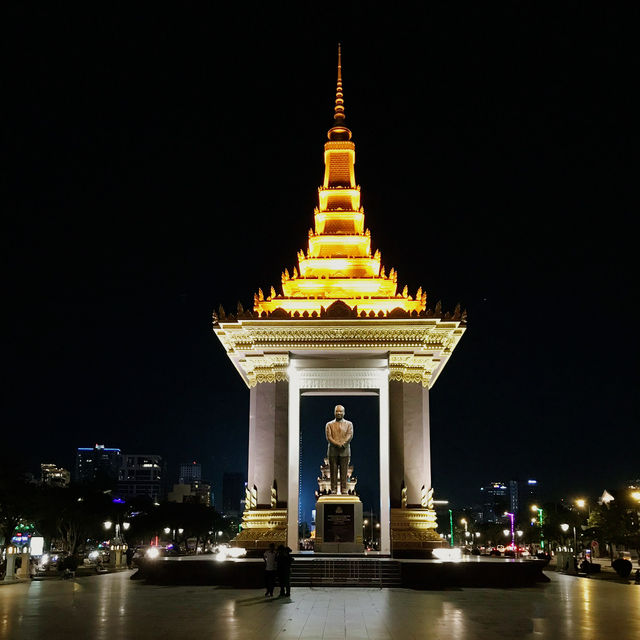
{"type": "Point", "coordinates": [152, 553]}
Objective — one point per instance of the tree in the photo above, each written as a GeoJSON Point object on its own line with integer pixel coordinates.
{"type": "Point", "coordinates": [17, 500]}
{"type": "Point", "coordinates": [617, 522]}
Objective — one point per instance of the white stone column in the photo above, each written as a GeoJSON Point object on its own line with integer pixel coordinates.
{"type": "Point", "coordinates": [293, 459]}
{"type": "Point", "coordinates": [268, 407]}
{"type": "Point", "coordinates": [410, 441]}
{"type": "Point", "coordinates": [10, 568]}
{"type": "Point", "coordinates": [23, 571]}
{"type": "Point", "coordinates": [385, 506]}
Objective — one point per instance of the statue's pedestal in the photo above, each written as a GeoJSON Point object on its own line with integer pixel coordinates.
{"type": "Point", "coordinates": [338, 524]}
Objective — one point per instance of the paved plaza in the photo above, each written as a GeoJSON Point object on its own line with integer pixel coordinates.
{"type": "Point", "coordinates": [114, 607]}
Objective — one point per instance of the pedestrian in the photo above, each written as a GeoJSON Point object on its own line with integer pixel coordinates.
{"type": "Point", "coordinates": [585, 567]}
{"type": "Point", "coordinates": [270, 568]}
{"type": "Point", "coordinates": [130, 552]}
{"type": "Point", "coordinates": [283, 562]}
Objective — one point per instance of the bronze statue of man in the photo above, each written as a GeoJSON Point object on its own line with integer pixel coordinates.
{"type": "Point", "coordinates": [339, 434]}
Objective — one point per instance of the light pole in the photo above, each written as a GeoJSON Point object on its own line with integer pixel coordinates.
{"type": "Point", "coordinates": [118, 545]}
{"type": "Point", "coordinates": [513, 535]}
{"type": "Point", "coordinates": [466, 530]}
{"type": "Point", "coordinates": [451, 526]}
{"type": "Point", "coordinates": [565, 527]}
{"type": "Point", "coordinates": [581, 503]}
{"type": "Point", "coordinates": [170, 530]}
{"type": "Point", "coordinates": [541, 518]}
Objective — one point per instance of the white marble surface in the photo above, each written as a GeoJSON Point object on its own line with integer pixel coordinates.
{"type": "Point", "coordinates": [112, 607]}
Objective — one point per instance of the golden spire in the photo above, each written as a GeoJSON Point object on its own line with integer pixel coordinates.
{"type": "Point", "coordinates": [339, 263]}
{"type": "Point", "coordinates": [339, 108]}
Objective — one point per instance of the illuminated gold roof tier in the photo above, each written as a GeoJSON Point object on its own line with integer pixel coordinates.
{"type": "Point", "coordinates": [338, 263]}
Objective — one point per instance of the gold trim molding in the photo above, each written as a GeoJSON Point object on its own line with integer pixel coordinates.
{"type": "Point", "coordinates": [260, 527]}
{"type": "Point", "coordinates": [417, 348]}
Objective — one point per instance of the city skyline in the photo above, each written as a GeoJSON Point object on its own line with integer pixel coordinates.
{"type": "Point", "coordinates": [144, 203]}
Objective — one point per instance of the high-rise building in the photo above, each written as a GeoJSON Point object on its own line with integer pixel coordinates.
{"type": "Point", "coordinates": [513, 497]}
{"type": "Point", "coordinates": [495, 501]}
{"type": "Point", "coordinates": [54, 476]}
{"type": "Point", "coordinates": [233, 485]}
{"type": "Point", "coordinates": [97, 465]}
{"type": "Point", "coordinates": [190, 472]}
{"type": "Point", "coordinates": [141, 475]}
{"type": "Point", "coordinates": [529, 493]}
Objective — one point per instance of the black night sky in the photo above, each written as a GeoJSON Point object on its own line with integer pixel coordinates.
{"type": "Point", "coordinates": [163, 161]}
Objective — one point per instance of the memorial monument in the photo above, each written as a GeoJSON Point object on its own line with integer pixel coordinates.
{"type": "Point", "coordinates": [341, 325]}
{"type": "Point", "coordinates": [339, 510]}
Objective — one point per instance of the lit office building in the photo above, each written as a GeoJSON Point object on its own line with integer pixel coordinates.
{"type": "Point", "coordinates": [98, 464]}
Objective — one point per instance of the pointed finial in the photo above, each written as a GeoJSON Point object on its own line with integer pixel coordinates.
{"type": "Point", "coordinates": [339, 108]}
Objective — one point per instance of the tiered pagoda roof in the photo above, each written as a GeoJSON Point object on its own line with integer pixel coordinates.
{"type": "Point", "coordinates": [339, 263]}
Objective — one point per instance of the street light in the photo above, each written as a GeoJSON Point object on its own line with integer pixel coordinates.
{"type": "Point", "coordinates": [466, 531]}
{"type": "Point", "coordinates": [541, 518]}
{"type": "Point", "coordinates": [513, 535]}
{"type": "Point", "coordinates": [565, 527]}
{"type": "Point", "coordinates": [581, 503]}
{"type": "Point", "coordinates": [170, 530]}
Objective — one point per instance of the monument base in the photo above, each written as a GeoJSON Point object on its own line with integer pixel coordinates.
{"type": "Point", "coordinates": [338, 524]}
{"type": "Point", "coordinates": [261, 527]}
{"type": "Point", "coordinates": [413, 532]}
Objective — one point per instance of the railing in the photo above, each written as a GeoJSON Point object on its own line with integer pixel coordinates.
{"type": "Point", "coordinates": [346, 572]}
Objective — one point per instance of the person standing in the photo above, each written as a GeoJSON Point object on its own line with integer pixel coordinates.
{"type": "Point", "coordinates": [284, 561]}
{"type": "Point", "coordinates": [130, 552]}
{"type": "Point", "coordinates": [270, 569]}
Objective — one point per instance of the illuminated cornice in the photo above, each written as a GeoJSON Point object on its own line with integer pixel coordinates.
{"type": "Point", "coordinates": [417, 349]}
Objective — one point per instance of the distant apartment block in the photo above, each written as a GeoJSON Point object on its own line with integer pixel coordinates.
{"type": "Point", "coordinates": [141, 474]}
{"type": "Point", "coordinates": [196, 492]}
{"type": "Point", "coordinates": [190, 472]}
{"type": "Point", "coordinates": [54, 476]}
